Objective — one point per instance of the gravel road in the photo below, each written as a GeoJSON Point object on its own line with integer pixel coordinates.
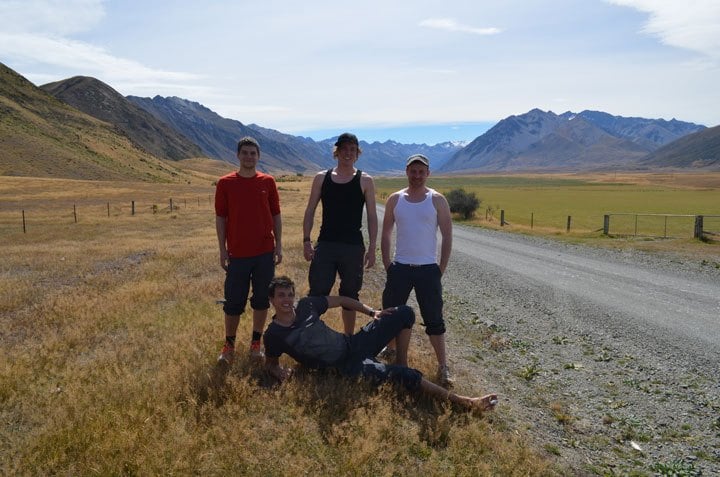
{"type": "Point", "coordinates": [607, 359]}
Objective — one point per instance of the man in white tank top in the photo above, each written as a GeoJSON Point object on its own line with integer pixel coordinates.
{"type": "Point", "coordinates": [418, 212]}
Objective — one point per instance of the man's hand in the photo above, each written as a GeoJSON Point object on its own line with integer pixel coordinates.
{"type": "Point", "coordinates": [224, 259]}
{"type": "Point", "coordinates": [278, 372]}
{"type": "Point", "coordinates": [308, 251]}
{"type": "Point", "coordinates": [278, 255]}
{"type": "Point", "coordinates": [386, 311]}
{"type": "Point", "coordinates": [370, 258]}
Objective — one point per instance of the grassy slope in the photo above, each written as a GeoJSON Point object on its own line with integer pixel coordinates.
{"type": "Point", "coordinates": [42, 137]}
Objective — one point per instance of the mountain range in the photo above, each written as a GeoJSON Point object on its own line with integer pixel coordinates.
{"type": "Point", "coordinates": [540, 141]}
{"type": "Point", "coordinates": [218, 136]}
{"type": "Point", "coordinates": [83, 128]}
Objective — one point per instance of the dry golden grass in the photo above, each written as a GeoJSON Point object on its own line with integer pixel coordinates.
{"type": "Point", "coordinates": [110, 332]}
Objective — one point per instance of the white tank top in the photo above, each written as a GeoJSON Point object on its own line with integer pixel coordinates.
{"type": "Point", "coordinates": [416, 230]}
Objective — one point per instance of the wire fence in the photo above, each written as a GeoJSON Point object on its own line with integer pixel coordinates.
{"type": "Point", "coordinates": [67, 212]}
{"type": "Point", "coordinates": [661, 225]}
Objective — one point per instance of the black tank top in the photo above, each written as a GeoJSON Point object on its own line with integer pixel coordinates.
{"type": "Point", "coordinates": [342, 210]}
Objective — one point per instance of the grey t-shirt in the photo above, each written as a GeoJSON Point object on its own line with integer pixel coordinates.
{"type": "Point", "coordinates": [309, 341]}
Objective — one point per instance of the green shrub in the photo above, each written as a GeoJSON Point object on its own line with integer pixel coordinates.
{"type": "Point", "coordinates": [463, 203]}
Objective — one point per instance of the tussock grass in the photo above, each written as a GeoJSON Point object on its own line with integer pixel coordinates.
{"type": "Point", "coordinates": [110, 334]}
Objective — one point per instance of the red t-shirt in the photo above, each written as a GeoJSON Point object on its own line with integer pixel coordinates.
{"type": "Point", "coordinates": [248, 205]}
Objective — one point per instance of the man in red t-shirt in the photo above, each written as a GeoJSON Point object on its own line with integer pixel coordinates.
{"type": "Point", "coordinates": [249, 231]}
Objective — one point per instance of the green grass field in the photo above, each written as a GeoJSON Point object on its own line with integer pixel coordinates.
{"type": "Point", "coordinates": [545, 202]}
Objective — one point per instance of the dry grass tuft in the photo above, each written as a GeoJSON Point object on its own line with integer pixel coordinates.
{"type": "Point", "coordinates": [110, 334]}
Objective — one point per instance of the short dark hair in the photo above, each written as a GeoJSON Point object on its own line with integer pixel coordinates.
{"type": "Point", "coordinates": [248, 141]}
{"type": "Point", "coordinates": [282, 281]}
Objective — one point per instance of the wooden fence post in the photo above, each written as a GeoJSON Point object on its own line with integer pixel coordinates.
{"type": "Point", "coordinates": [606, 224]}
{"type": "Point", "coordinates": [635, 225]}
{"type": "Point", "coordinates": [502, 217]}
{"type": "Point", "coordinates": [698, 227]}
{"type": "Point", "coordinates": [108, 204]}
{"type": "Point", "coordinates": [133, 207]}
{"type": "Point", "coordinates": [532, 216]}
{"type": "Point", "coordinates": [75, 213]}
{"type": "Point", "coordinates": [23, 214]}
{"type": "Point", "coordinates": [171, 205]}
{"type": "Point", "coordinates": [568, 224]}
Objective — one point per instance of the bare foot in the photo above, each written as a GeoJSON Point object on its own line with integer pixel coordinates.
{"type": "Point", "coordinates": [485, 403]}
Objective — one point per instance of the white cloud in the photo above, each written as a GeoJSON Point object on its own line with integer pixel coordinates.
{"type": "Point", "coordinates": [39, 33]}
{"type": "Point", "coordinates": [75, 55]}
{"type": "Point", "coordinates": [55, 17]}
{"type": "Point", "coordinates": [690, 24]}
{"type": "Point", "coordinates": [450, 24]}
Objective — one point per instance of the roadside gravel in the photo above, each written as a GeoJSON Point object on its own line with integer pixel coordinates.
{"type": "Point", "coordinates": [607, 386]}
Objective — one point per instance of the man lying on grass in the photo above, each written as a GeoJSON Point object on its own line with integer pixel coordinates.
{"type": "Point", "coordinates": [299, 332]}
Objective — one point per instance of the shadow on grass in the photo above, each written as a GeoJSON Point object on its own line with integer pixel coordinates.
{"type": "Point", "coordinates": [210, 386]}
{"type": "Point", "coordinates": [332, 399]}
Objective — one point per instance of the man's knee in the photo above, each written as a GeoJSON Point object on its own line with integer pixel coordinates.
{"type": "Point", "coordinates": [406, 315]}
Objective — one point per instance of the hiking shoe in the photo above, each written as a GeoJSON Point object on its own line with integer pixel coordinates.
{"type": "Point", "coordinates": [256, 352]}
{"type": "Point", "coordinates": [444, 377]}
{"type": "Point", "coordinates": [227, 355]}
{"type": "Point", "coordinates": [387, 354]}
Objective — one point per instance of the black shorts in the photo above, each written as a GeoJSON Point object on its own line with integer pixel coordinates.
{"type": "Point", "coordinates": [242, 272]}
{"type": "Point", "coordinates": [370, 340]}
{"type": "Point", "coordinates": [425, 279]}
{"type": "Point", "coordinates": [334, 258]}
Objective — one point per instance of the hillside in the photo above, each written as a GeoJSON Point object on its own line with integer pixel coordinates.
{"type": "Point", "coordinates": [695, 151]}
{"type": "Point", "coordinates": [41, 136]}
{"type": "Point", "coordinates": [99, 100]}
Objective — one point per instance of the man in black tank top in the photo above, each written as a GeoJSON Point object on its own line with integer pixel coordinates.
{"type": "Point", "coordinates": [340, 249]}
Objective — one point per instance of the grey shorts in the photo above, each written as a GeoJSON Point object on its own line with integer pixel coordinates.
{"type": "Point", "coordinates": [343, 260]}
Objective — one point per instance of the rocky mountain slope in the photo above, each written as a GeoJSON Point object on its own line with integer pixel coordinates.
{"type": "Point", "coordinates": [700, 150]}
{"type": "Point", "coordinates": [99, 100]}
{"type": "Point", "coordinates": [544, 141]}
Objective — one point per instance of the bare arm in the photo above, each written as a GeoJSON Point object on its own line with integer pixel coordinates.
{"type": "Point", "coordinates": [351, 304]}
{"type": "Point", "coordinates": [371, 209]}
{"type": "Point", "coordinates": [444, 218]}
{"type": "Point", "coordinates": [220, 228]}
{"type": "Point", "coordinates": [388, 224]}
{"type": "Point", "coordinates": [309, 216]}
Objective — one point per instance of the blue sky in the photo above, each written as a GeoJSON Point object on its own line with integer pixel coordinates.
{"type": "Point", "coordinates": [411, 71]}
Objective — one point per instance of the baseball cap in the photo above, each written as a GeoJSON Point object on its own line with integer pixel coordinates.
{"type": "Point", "coordinates": [346, 137]}
{"type": "Point", "coordinates": [417, 158]}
